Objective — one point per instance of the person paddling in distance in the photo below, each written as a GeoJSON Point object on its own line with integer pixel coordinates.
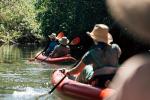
{"type": "Point", "coordinates": [103, 54]}
{"type": "Point", "coordinates": [62, 49]}
{"type": "Point", "coordinates": [52, 42]}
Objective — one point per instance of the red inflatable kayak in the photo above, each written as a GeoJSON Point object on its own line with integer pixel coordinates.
{"type": "Point", "coordinates": [54, 60]}
{"type": "Point", "coordinates": [77, 90]}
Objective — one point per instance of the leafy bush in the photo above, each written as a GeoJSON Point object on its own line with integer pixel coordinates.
{"type": "Point", "coordinates": [17, 17]}
{"type": "Point", "coordinates": [72, 17]}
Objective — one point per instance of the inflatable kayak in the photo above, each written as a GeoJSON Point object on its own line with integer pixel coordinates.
{"type": "Point", "coordinates": [77, 90]}
{"type": "Point", "coordinates": [43, 58]}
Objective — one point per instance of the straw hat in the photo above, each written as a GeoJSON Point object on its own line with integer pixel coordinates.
{"type": "Point", "coordinates": [133, 14]}
{"type": "Point", "coordinates": [101, 33]}
{"type": "Point", "coordinates": [53, 35]}
{"type": "Point", "coordinates": [64, 41]}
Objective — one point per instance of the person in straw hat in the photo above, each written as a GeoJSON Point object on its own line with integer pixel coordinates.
{"type": "Point", "coordinates": [52, 42]}
{"type": "Point", "coordinates": [104, 54]}
{"type": "Point", "coordinates": [62, 49]}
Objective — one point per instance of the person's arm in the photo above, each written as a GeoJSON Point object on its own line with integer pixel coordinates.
{"type": "Point", "coordinates": [54, 52]}
{"type": "Point", "coordinates": [68, 49]}
{"type": "Point", "coordinates": [118, 49]}
{"type": "Point", "coordinates": [86, 60]}
{"type": "Point", "coordinates": [77, 69]}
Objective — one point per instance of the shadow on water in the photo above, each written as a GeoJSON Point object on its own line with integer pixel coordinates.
{"type": "Point", "coordinates": [21, 79]}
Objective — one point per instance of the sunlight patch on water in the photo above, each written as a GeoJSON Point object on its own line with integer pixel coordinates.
{"type": "Point", "coordinates": [28, 94]}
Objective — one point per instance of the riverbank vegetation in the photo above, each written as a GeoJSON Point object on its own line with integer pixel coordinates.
{"type": "Point", "coordinates": [17, 20]}
{"type": "Point", "coordinates": [31, 21]}
{"type": "Point", "coordinates": [20, 18]}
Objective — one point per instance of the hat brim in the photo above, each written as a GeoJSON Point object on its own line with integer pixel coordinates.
{"type": "Point", "coordinates": [109, 36]}
{"type": "Point", "coordinates": [51, 36]}
{"type": "Point", "coordinates": [61, 42]}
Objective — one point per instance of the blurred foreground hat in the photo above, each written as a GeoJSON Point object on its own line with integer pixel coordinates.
{"type": "Point", "coordinates": [101, 33]}
{"type": "Point", "coordinates": [133, 14]}
{"type": "Point", "coordinates": [64, 41]}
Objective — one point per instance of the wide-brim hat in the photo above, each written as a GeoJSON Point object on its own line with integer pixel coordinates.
{"type": "Point", "coordinates": [64, 41]}
{"type": "Point", "coordinates": [53, 35]}
{"type": "Point", "coordinates": [100, 33]}
{"type": "Point", "coordinates": [132, 14]}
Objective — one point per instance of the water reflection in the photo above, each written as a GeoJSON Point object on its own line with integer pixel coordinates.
{"type": "Point", "coordinates": [20, 78]}
{"type": "Point", "coordinates": [28, 94]}
{"type": "Point", "coordinates": [13, 53]}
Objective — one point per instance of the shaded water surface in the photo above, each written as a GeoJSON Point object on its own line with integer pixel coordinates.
{"type": "Point", "coordinates": [21, 79]}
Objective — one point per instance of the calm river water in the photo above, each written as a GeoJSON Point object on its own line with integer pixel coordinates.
{"type": "Point", "coordinates": [21, 79]}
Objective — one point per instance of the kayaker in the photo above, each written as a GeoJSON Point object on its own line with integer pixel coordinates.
{"type": "Point", "coordinates": [52, 42]}
{"type": "Point", "coordinates": [104, 54]}
{"type": "Point", "coordinates": [62, 49]}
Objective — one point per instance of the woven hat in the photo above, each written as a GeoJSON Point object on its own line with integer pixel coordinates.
{"type": "Point", "coordinates": [132, 14]}
{"type": "Point", "coordinates": [100, 33]}
{"type": "Point", "coordinates": [64, 41]}
{"type": "Point", "coordinates": [53, 35]}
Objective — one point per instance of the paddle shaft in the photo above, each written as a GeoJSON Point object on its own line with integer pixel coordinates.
{"type": "Point", "coordinates": [38, 54]}
{"type": "Point", "coordinates": [60, 81]}
{"type": "Point", "coordinates": [45, 59]}
{"type": "Point", "coordinates": [53, 87]}
{"type": "Point", "coordinates": [57, 84]}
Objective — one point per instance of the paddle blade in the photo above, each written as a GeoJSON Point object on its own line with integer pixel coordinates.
{"type": "Point", "coordinates": [75, 41]}
{"type": "Point", "coordinates": [60, 35]}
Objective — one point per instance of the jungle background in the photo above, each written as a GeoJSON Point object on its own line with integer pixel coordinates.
{"type": "Point", "coordinates": [26, 22]}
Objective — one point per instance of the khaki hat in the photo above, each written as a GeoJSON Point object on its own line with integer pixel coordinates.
{"type": "Point", "coordinates": [64, 41]}
{"type": "Point", "coordinates": [132, 14]}
{"type": "Point", "coordinates": [101, 33]}
{"type": "Point", "coordinates": [53, 35]}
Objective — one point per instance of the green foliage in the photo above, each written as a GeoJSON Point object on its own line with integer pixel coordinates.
{"type": "Point", "coordinates": [17, 17]}
{"type": "Point", "coordinates": [72, 17]}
